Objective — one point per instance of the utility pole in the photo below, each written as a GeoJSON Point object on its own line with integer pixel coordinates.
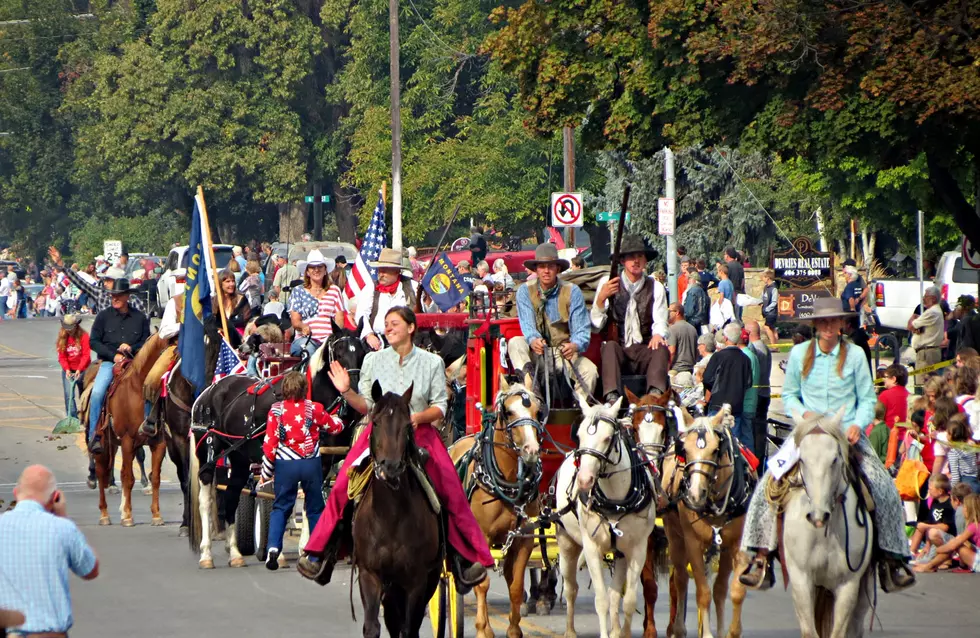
{"type": "Point", "coordinates": [396, 130]}
{"type": "Point", "coordinates": [317, 212]}
{"type": "Point", "coordinates": [568, 152]}
{"type": "Point", "coordinates": [671, 247]}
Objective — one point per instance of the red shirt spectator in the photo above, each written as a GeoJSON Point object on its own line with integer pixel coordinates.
{"type": "Point", "coordinates": [896, 400]}
{"type": "Point", "coordinates": [76, 353]}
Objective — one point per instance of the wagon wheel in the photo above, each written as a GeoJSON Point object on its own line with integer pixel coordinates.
{"type": "Point", "coordinates": [446, 609]}
{"type": "Point", "coordinates": [245, 524]}
{"type": "Point", "coordinates": [262, 514]}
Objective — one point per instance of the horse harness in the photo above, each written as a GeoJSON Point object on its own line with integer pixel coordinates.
{"type": "Point", "coordinates": [339, 405]}
{"type": "Point", "coordinates": [253, 431]}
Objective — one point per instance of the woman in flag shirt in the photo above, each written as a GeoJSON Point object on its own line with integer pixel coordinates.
{"type": "Point", "coordinates": [291, 452]}
{"type": "Point", "coordinates": [313, 307]}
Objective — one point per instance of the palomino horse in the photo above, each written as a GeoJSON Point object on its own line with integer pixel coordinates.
{"type": "Point", "coordinates": [502, 473]}
{"type": "Point", "coordinates": [124, 411]}
{"type": "Point", "coordinates": [827, 534]}
{"type": "Point", "coordinates": [604, 493]}
{"type": "Point", "coordinates": [395, 530]}
{"type": "Point", "coordinates": [655, 423]}
{"type": "Point", "coordinates": [700, 477]}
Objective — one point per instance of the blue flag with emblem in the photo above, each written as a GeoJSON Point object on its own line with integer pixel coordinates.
{"type": "Point", "coordinates": [197, 305]}
{"type": "Point", "coordinates": [444, 284]}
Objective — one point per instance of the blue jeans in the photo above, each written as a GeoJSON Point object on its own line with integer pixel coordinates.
{"type": "Point", "coordinates": [99, 389]}
{"type": "Point", "coordinates": [289, 476]}
{"type": "Point", "coordinates": [742, 428]}
{"type": "Point", "coordinates": [252, 367]}
{"type": "Point", "coordinates": [310, 345]}
{"type": "Point", "coordinates": [3, 307]}
{"type": "Point", "coordinates": [71, 392]}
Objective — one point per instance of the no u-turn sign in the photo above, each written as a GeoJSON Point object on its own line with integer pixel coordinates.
{"type": "Point", "coordinates": [566, 210]}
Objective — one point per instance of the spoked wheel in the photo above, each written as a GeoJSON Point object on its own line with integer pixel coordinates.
{"type": "Point", "coordinates": [446, 609]}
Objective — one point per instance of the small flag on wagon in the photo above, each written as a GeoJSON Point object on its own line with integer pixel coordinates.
{"type": "Point", "coordinates": [228, 362]}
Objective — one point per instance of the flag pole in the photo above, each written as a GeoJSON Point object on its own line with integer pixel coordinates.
{"type": "Point", "coordinates": [206, 229]}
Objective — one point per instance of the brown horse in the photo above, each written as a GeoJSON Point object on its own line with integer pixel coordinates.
{"type": "Point", "coordinates": [395, 530]}
{"type": "Point", "coordinates": [502, 472]}
{"type": "Point", "coordinates": [701, 477]}
{"type": "Point", "coordinates": [653, 413]}
{"type": "Point", "coordinates": [124, 411]}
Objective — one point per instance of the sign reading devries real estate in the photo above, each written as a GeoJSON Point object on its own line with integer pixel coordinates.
{"type": "Point", "coordinates": [802, 266]}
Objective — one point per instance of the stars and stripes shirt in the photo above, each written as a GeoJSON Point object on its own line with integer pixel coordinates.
{"type": "Point", "coordinates": [292, 432]}
{"type": "Point", "coordinates": [318, 314]}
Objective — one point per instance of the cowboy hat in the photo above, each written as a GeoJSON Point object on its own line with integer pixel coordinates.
{"type": "Point", "coordinates": [546, 253]}
{"type": "Point", "coordinates": [633, 244]}
{"type": "Point", "coordinates": [69, 321]}
{"type": "Point", "coordinates": [120, 287]}
{"type": "Point", "coordinates": [389, 258]}
{"type": "Point", "coordinates": [315, 258]}
{"type": "Point", "coordinates": [826, 308]}
{"type": "Point", "coordinates": [114, 272]}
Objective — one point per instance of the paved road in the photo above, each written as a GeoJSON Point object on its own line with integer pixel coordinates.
{"type": "Point", "coordinates": [150, 583]}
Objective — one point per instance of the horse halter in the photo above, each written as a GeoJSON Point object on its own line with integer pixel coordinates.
{"type": "Point", "coordinates": [655, 450]}
{"type": "Point", "coordinates": [331, 350]}
{"type": "Point", "coordinates": [694, 466]}
{"type": "Point", "coordinates": [842, 479]}
{"type": "Point", "coordinates": [520, 421]}
{"type": "Point", "coordinates": [604, 457]}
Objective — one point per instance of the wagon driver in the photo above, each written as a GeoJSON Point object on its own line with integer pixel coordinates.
{"type": "Point", "coordinates": [823, 375]}
{"type": "Point", "coordinates": [396, 368]}
{"type": "Point", "coordinates": [392, 289]}
{"type": "Point", "coordinates": [637, 305]}
{"type": "Point", "coordinates": [553, 319]}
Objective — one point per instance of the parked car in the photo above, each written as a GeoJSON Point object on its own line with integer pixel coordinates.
{"type": "Point", "coordinates": [896, 299]}
{"type": "Point", "coordinates": [174, 271]}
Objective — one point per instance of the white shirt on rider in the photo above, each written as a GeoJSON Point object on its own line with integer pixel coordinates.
{"type": "Point", "coordinates": [170, 323]}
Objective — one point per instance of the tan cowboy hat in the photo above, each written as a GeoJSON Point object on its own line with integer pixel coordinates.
{"type": "Point", "coordinates": [825, 308]}
{"type": "Point", "coordinates": [69, 321]}
{"type": "Point", "coordinates": [546, 253]}
{"type": "Point", "coordinates": [389, 258]}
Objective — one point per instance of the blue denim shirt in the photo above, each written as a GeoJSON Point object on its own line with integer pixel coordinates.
{"type": "Point", "coordinates": [37, 552]}
{"type": "Point", "coordinates": [824, 391]}
{"type": "Point", "coordinates": [579, 323]}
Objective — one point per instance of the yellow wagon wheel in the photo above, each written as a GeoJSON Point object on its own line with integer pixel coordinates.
{"type": "Point", "coordinates": [446, 609]}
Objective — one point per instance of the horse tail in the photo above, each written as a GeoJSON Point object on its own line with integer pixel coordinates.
{"type": "Point", "coordinates": [659, 551]}
{"type": "Point", "coordinates": [194, 494]}
{"type": "Point", "coordinates": [823, 612]}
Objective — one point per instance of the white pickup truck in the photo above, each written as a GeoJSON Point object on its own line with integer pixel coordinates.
{"type": "Point", "coordinates": [896, 299]}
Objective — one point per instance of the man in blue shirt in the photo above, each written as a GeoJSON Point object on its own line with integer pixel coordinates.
{"type": "Point", "coordinates": [553, 319]}
{"type": "Point", "coordinates": [39, 546]}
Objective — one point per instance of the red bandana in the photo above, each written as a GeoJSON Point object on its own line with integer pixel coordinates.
{"type": "Point", "coordinates": [388, 289]}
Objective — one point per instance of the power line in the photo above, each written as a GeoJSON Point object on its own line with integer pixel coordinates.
{"type": "Point", "coordinates": [81, 16]}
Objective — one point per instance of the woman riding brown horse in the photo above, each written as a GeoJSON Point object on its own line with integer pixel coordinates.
{"type": "Point", "coordinates": [503, 493]}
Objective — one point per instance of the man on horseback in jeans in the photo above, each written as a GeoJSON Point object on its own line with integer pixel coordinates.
{"type": "Point", "coordinates": [118, 333]}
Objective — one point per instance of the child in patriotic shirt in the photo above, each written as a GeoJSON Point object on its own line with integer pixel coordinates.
{"type": "Point", "coordinates": [291, 451]}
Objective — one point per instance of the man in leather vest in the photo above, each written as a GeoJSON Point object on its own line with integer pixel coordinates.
{"type": "Point", "coordinates": [553, 319]}
{"type": "Point", "coordinates": [389, 291]}
{"type": "Point", "coordinates": [637, 305]}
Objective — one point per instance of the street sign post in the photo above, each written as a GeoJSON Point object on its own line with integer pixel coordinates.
{"type": "Point", "coordinates": [665, 216]}
{"type": "Point", "coordinates": [971, 256]}
{"type": "Point", "coordinates": [111, 249]}
{"type": "Point", "coordinates": [566, 210]}
{"type": "Point", "coordinates": [609, 216]}
{"type": "Point", "coordinates": [309, 199]}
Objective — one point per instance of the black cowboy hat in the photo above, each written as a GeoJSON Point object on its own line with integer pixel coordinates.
{"type": "Point", "coordinates": [268, 320]}
{"type": "Point", "coordinates": [546, 253]}
{"type": "Point", "coordinates": [120, 287]}
{"type": "Point", "coordinates": [635, 244]}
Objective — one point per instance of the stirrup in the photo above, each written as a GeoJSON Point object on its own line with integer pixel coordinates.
{"type": "Point", "coordinates": [888, 584]}
{"type": "Point", "coordinates": [149, 429]}
{"type": "Point", "coordinates": [767, 577]}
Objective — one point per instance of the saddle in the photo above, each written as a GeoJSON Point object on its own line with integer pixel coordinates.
{"type": "Point", "coordinates": [360, 475]}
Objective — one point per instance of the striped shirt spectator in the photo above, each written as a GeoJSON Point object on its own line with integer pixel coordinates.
{"type": "Point", "coordinates": [318, 314]}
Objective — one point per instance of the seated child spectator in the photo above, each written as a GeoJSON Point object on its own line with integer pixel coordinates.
{"type": "Point", "coordinates": [956, 496]}
{"type": "Point", "coordinates": [962, 463]}
{"type": "Point", "coordinates": [936, 518]}
{"type": "Point", "coordinates": [877, 432]}
{"type": "Point", "coordinates": [965, 544]}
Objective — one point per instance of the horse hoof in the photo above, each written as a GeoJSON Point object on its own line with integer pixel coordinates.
{"type": "Point", "coordinates": [148, 491]}
{"type": "Point", "coordinates": [206, 564]}
{"type": "Point", "coordinates": [183, 532]}
{"type": "Point", "coordinates": [105, 521]}
{"type": "Point", "coordinates": [113, 489]}
{"type": "Point", "coordinates": [524, 610]}
{"type": "Point", "coordinates": [543, 608]}
{"type": "Point", "coordinates": [128, 522]}
{"type": "Point", "coordinates": [157, 522]}
{"type": "Point", "coordinates": [91, 484]}
{"type": "Point", "coordinates": [237, 562]}
{"type": "Point", "coordinates": [144, 481]}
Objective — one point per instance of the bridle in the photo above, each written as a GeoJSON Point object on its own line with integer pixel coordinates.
{"type": "Point", "coordinates": [395, 482]}
{"type": "Point", "coordinates": [711, 474]}
{"type": "Point", "coordinates": [332, 354]}
{"type": "Point", "coordinates": [614, 442]}
{"type": "Point", "coordinates": [522, 421]}
{"type": "Point", "coordinates": [656, 451]}
{"type": "Point", "coordinates": [842, 478]}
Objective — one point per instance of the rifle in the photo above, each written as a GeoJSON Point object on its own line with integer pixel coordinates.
{"type": "Point", "coordinates": [611, 329]}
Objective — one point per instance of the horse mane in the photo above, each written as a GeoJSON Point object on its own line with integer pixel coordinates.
{"type": "Point", "coordinates": [147, 355]}
{"type": "Point", "coordinates": [316, 359]}
{"type": "Point", "coordinates": [807, 426]}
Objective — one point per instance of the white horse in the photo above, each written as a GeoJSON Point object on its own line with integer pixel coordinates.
{"type": "Point", "coordinates": [828, 538]}
{"type": "Point", "coordinates": [602, 462]}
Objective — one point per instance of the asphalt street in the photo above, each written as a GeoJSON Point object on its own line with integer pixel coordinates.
{"type": "Point", "coordinates": [150, 584]}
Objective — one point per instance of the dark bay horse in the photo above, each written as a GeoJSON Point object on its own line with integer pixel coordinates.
{"type": "Point", "coordinates": [231, 415]}
{"type": "Point", "coordinates": [395, 531]}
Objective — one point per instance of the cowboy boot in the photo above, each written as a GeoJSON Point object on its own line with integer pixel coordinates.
{"type": "Point", "coordinates": [895, 575]}
{"type": "Point", "coordinates": [759, 574]}
{"type": "Point", "coordinates": [95, 445]}
{"type": "Point", "coordinates": [468, 575]}
{"type": "Point", "coordinates": [149, 427]}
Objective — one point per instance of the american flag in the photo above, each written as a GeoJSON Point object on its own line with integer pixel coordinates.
{"type": "Point", "coordinates": [363, 276]}
{"type": "Point", "coordinates": [228, 362]}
